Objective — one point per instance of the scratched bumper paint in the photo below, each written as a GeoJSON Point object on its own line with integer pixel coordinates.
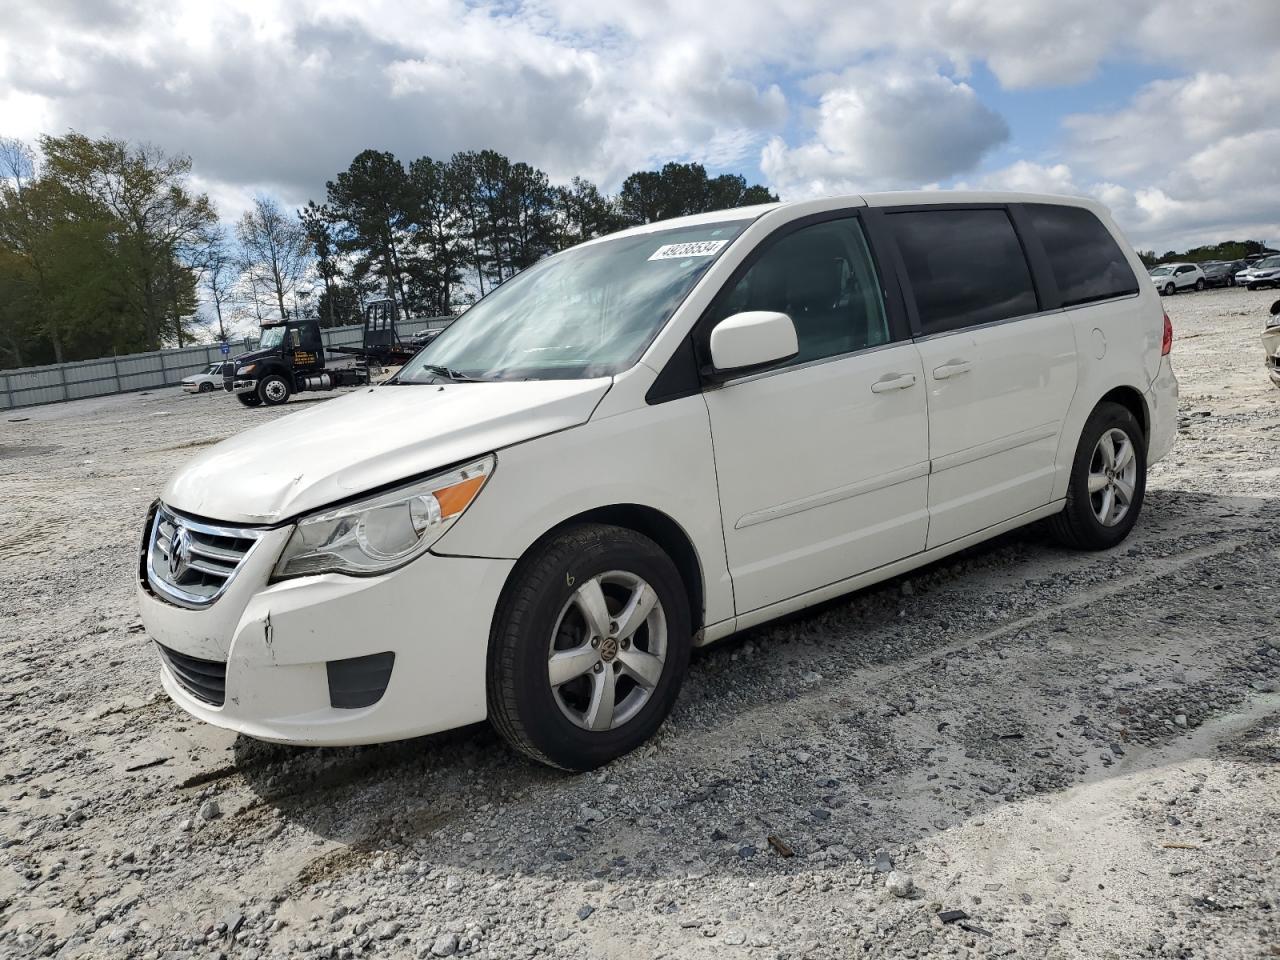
{"type": "Point", "coordinates": [277, 638]}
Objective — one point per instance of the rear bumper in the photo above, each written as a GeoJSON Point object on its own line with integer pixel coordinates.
{"type": "Point", "coordinates": [290, 650]}
{"type": "Point", "coordinates": [1162, 401]}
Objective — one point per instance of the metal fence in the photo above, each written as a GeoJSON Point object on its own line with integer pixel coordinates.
{"type": "Point", "coordinates": [31, 386]}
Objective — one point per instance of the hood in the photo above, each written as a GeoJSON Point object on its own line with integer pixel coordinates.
{"type": "Point", "coordinates": [369, 439]}
{"type": "Point", "coordinates": [252, 356]}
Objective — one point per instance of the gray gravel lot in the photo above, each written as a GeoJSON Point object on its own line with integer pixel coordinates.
{"type": "Point", "coordinates": [1020, 751]}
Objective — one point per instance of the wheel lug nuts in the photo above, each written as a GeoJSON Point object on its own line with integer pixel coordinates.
{"type": "Point", "coordinates": [626, 644]}
{"type": "Point", "coordinates": [598, 668]}
{"type": "Point", "coordinates": [595, 641]}
{"type": "Point", "coordinates": [613, 626]}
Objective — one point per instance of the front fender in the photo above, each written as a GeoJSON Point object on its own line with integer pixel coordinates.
{"type": "Point", "coordinates": [658, 457]}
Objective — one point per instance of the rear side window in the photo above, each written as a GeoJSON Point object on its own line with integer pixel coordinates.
{"type": "Point", "coordinates": [966, 267]}
{"type": "Point", "coordinates": [1086, 260]}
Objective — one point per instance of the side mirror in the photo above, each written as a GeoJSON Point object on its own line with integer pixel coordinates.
{"type": "Point", "coordinates": [750, 341]}
{"type": "Point", "coordinates": [1275, 309]}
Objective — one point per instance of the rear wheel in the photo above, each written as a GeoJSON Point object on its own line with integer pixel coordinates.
{"type": "Point", "coordinates": [248, 399]}
{"type": "Point", "coordinates": [1108, 481]}
{"type": "Point", "coordinates": [273, 390]}
{"type": "Point", "coordinates": [1169, 289]}
{"type": "Point", "coordinates": [589, 647]}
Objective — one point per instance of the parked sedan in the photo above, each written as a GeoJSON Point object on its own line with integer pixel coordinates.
{"type": "Point", "coordinates": [1221, 273]}
{"type": "Point", "coordinates": [206, 380]}
{"type": "Point", "coordinates": [1264, 273]}
{"type": "Point", "coordinates": [1169, 278]}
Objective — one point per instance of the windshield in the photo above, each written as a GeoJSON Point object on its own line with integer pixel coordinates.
{"type": "Point", "coordinates": [1161, 271]}
{"type": "Point", "coordinates": [1269, 264]}
{"type": "Point", "coordinates": [272, 337]}
{"type": "Point", "coordinates": [587, 312]}
{"type": "Point", "coordinates": [214, 368]}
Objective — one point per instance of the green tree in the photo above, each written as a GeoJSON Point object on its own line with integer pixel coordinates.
{"type": "Point", "coordinates": [150, 218]}
{"type": "Point", "coordinates": [370, 199]}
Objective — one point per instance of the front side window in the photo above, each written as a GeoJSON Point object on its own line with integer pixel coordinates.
{"type": "Point", "coordinates": [966, 267]}
{"type": "Point", "coordinates": [1086, 261]}
{"type": "Point", "coordinates": [823, 278]}
{"type": "Point", "coordinates": [587, 312]}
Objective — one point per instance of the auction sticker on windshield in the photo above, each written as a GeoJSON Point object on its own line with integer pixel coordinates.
{"type": "Point", "coordinates": [698, 248]}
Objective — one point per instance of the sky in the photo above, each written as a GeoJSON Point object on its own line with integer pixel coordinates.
{"type": "Point", "coordinates": [1168, 111]}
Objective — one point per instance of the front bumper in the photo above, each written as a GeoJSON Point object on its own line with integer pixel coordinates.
{"type": "Point", "coordinates": [278, 641]}
{"type": "Point", "coordinates": [190, 387]}
{"type": "Point", "coordinates": [241, 386]}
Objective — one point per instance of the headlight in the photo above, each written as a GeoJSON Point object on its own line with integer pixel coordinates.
{"type": "Point", "coordinates": [383, 532]}
{"type": "Point", "coordinates": [246, 369]}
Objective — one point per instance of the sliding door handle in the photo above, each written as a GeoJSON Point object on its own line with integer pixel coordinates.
{"type": "Point", "coordinates": [894, 381]}
{"type": "Point", "coordinates": [952, 368]}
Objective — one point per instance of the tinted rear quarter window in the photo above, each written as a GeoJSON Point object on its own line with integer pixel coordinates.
{"type": "Point", "coordinates": [1086, 261]}
{"type": "Point", "coordinates": [966, 267]}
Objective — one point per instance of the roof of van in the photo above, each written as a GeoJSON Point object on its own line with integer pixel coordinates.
{"type": "Point", "coordinates": [889, 199]}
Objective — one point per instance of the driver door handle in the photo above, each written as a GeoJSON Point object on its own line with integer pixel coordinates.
{"type": "Point", "coordinates": [952, 368]}
{"type": "Point", "coordinates": [894, 381]}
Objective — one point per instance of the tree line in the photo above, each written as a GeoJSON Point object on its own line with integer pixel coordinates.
{"type": "Point", "coordinates": [1224, 251]}
{"type": "Point", "coordinates": [106, 247]}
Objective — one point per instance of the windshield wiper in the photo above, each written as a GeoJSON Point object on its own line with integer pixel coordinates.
{"type": "Point", "coordinates": [450, 374]}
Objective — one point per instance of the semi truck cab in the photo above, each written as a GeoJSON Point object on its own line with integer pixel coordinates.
{"type": "Point", "coordinates": [289, 359]}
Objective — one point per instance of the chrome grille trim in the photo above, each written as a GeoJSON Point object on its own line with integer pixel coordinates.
{"type": "Point", "coordinates": [210, 556]}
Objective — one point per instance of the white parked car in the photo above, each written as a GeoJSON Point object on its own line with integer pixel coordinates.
{"type": "Point", "coordinates": [1169, 278]}
{"type": "Point", "coordinates": [648, 442]}
{"type": "Point", "coordinates": [207, 380]}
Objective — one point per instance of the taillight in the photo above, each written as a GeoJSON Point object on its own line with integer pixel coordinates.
{"type": "Point", "coordinates": [1167, 343]}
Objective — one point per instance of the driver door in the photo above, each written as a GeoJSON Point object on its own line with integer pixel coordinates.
{"type": "Point", "coordinates": [822, 463]}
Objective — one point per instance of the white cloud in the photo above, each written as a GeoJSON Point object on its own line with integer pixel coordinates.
{"type": "Point", "coordinates": [886, 127]}
{"type": "Point", "coordinates": [829, 94]}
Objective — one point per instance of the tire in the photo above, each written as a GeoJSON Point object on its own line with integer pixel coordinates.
{"type": "Point", "coordinates": [542, 613]}
{"type": "Point", "coordinates": [1200, 286]}
{"type": "Point", "coordinates": [273, 390]}
{"type": "Point", "coordinates": [1080, 525]}
{"type": "Point", "coordinates": [248, 399]}
{"type": "Point", "coordinates": [206, 387]}
{"type": "Point", "coordinates": [1170, 289]}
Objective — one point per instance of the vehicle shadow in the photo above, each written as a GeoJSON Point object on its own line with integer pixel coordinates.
{"type": "Point", "coordinates": [1010, 670]}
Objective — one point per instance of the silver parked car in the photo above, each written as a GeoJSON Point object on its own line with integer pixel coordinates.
{"type": "Point", "coordinates": [1264, 273]}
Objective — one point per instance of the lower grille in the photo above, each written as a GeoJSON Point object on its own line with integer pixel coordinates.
{"type": "Point", "coordinates": [206, 680]}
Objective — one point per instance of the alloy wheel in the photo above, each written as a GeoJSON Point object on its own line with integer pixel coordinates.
{"type": "Point", "coordinates": [1113, 475]}
{"type": "Point", "coordinates": [607, 651]}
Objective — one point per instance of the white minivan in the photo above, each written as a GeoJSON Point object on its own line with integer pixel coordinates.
{"type": "Point", "coordinates": [648, 442]}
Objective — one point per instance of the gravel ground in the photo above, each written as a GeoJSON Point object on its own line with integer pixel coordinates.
{"type": "Point", "coordinates": [1019, 751]}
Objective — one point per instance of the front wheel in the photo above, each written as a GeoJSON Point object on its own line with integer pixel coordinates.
{"type": "Point", "coordinates": [588, 648]}
{"type": "Point", "coordinates": [1169, 289]}
{"type": "Point", "coordinates": [206, 387]}
{"type": "Point", "coordinates": [1199, 286]}
{"type": "Point", "coordinates": [274, 390]}
{"type": "Point", "coordinates": [1108, 481]}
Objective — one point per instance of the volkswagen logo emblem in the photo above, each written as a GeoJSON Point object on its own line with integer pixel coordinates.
{"type": "Point", "coordinates": [179, 553]}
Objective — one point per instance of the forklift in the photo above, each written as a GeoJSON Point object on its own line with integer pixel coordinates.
{"type": "Point", "coordinates": [291, 358]}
